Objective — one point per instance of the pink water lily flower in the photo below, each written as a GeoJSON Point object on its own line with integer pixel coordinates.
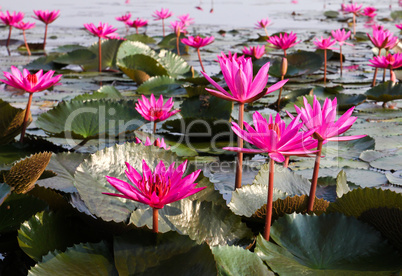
{"type": "Point", "coordinates": [254, 51]}
{"type": "Point", "coordinates": [239, 78]}
{"type": "Point", "coordinates": [231, 57]}
{"type": "Point", "coordinates": [263, 24]}
{"type": "Point", "coordinates": [383, 39]}
{"type": "Point", "coordinates": [354, 9]}
{"type": "Point", "coordinates": [30, 83]}
{"type": "Point", "coordinates": [341, 36]}
{"type": "Point", "coordinates": [399, 26]}
{"type": "Point", "coordinates": [274, 137]}
{"type": "Point", "coordinates": [162, 15]}
{"type": "Point", "coordinates": [324, 44]}
{"type": "Point", "coordinates": [186, 19]}
{"type": "Point", "coordinates": [10, 20]}
{"type": "Point", "coordinates": [137, 23]}
{"type": "Point", "coordinates": [178, 27]}
{"type": "Point", "coordinates": [156, 188]}
{"type": "Point", "coordinates": [47, 18]}
{"type": "Point", "coordinates": [283, 41]}
{"type": "Point", "coordinates": [369, 12]}
{"type": "Point", "coordinates": [197, 42]}
{"type": "Point", "coordinates": [157, 143]}
{"type": "Point", "coordinates": [390, 61]}
{"type": "Point", "coordinates": [103, 30]}
{"type": "Point", "coordinates": [25, 26]}
{"type": "Point", "coordinates": [124, 17]}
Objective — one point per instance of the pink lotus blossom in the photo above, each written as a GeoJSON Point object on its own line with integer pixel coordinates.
{"type": "Point", "coordinates": [352, 68]}
{"type": "Point", "coordinates": [390, 62]}
{"type": "Point", "coordinates": [324, 43]}
{"type": "Point", "coordinates": [341, 36]}
{"type": "Point", "coordinates": [352, 8]}
{"type": "Point", "coordinates": [178, 27]}
{"type": "Point", "coordinates": [124, 17]}
{"type": "Point", "coordinates": [153, 110]}
{"type": "Point", "coordinates": [283, 41]}
{"type": "Point", "coordinates": [24, 25]}
{"type": "Point", "coordinates": [30, 83]}
{"type": "Point", "coordinates": [156, 188]}
{"type": "Point", "coordinates": [162, 14]}
{"type": "Point", "coordinates": [383, 39]}
{"type": "Point", "coordinates": [46, 16]}
{"type": "Point", "coordinates": [104, 30]}
{"type": "Point", "coordinates": [157, 143]}
{"type": "Point", "coordinates": [137, 23]}
{"type": "Point", "coordinates": [186, 19]}
{"type": "Point", "coordinates": [263, 23]}
{"type": "Point", "coordinates": [274, 137]}
{"type": "Point", "coordinates": [399, 26]}
{"type": "Point", "coordinates": [11, 19]}
{"type": "Point", "coordinates": [239, 78]}
{"type": "Point", "coordinates": [254, 51]}
{"type": "Point", "coordinates": [229, 57]}
{"type": "Point", "coordinates": [197, 41]}
{"type": "Point", "coordinates": [323, 120]}
{"type": "Point", "coordinates": [369, 12]}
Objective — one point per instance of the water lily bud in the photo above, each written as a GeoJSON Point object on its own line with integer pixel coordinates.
{"type": "Point", "coordinates": [284, 66]}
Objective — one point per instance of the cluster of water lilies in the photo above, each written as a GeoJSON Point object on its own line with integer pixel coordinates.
{"type": "Point", "coordinates": [313, 125]}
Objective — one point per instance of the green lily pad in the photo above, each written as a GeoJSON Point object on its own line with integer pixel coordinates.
{"type": "Point", "coordinates": [161, 254]}
{"type": "Point", "coordinates": [16, 209]}
{"type": "Point", "coordinates": [175, 65]}
{"type": "Point", "coordinates": [158, 85]}
{"type": "Point", "coordinates": [64, 165]}
{"type": "Point", "coordinates": [396, 15]}
{"type": "Point", "coordinates": [234, 260]}
{"type": "Point", "coordinates": [89, 119]}
{"type": "Point", "coordinates": [170, 42]}
{"type": "Point", "coordinates": [109, 53]}
{"type": "Point", "coordinates": [11, 121]}
{"type": "Point", "coordinates": [331, 14]}
{"type": "Point", "coordinates": [299, 63]}
{"type": "Point", "coordinates": [130, 48]}
{"type": "Point", "coordinates": [78, 57]}
{"type": "Point", "coordinates": [45, 63]}
{"type": "Point", "coordinates": [141, 38]}
{"type": "Point", "coordinates": [392, 162]}
{"type": "Point", "coordinates": [395, 178]}
{"type": "Point", "coordinates": [348, 149]}
{"type": "Point", "coordinates": [68, 48]}
{"type": "Point", "coordinates": [385, 92]}
{"type": "Point", "coordinates": [206, 107]}
{"type": "Point", "coordinates": [80, 260]}
{"type": "Point", "coordinates": [329, 244]}
{"type": "Point", "coordinates": [44, 232]}
{"type": "Point", "coordinates": [5, 191]}
{"type": "Point", "coordinates": [346, 101]}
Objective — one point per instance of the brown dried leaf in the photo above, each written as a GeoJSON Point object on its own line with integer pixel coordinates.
{"type": "Point", "coordinates": [11, 120]}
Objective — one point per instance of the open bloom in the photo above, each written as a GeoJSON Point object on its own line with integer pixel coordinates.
{"type": "Point", "coordinates": [153, 110]}
{"type": "Point", "coordinates": [11, 19]}
{"type": "Point", "coordinates": [352, 8]}
{"type": "Point", "coordinates": [230, 56]}
{"type": "Point", "coordinates": [323, 120]}
{"type": "Point", "coordinates": [369, 12]}
{"type": "Point", "coordinates": [324, 43]}
{"type": "Point", "coordinates": [124, 18]}
{"type": "Point", "coordinates": [283, 41]}
{"type": "Point", "coordinates": [24, 25]}
{"type": "Point", "coordinates": [263, 23]}
{"type": "Point", "coordinates": [46, 16]}
{"type": "Point", "coordinates": [30, 83]}
{"type": "Point", "coordinates": [254, 51]}
{"type": "Point", "coordinates": [391, 61]}
{"type": "Point", "coordinates": [197, 41]}
{"type": "Point", "coordinates": [156, 188]}
{"type": "Point", "coordinates": [186, 19]}
{"type": "Point", "coordinates": [399, 26]}
{"type": "Point", "coordinates": [341, 36]}
{"type": "Point", "coordinates": [238, 75]}
{"type": "Point", "coordinates": [383, 39]}
{"type": "Point", "coordinates": [104, 30]}
{"type": "Point", "coordinates": [137, 23]}
{"type": "Point", "coordinates": [178, 27]}
{"type": "Point", "coordinates": [162, 14]}
{"type": "Point", "coordinates": [274, 137]}
{"type": "Point", "coordinates": [157, 143]}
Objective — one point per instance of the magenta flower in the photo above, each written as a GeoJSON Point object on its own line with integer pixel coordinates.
{"type": "Point", "coordinates": [30, 83]}
{"type": "Point", "coordinates": [390, 62]}
{"type": "Point", "coordinates": [369, 12]}
{"type": "Point", "coordinates": [104, 30]}
{"type": "Point", "coordinates": [383, 39]}
{"type": "Point", "coordinates": [275, 138]}
{"type": "Point", "coordinates": [355, 9]}
{"type": "Point", "coordinates": [324, 44]}
{"type": "Point", "coordinates": [322, 121]}
{"type": "Point", "coordinates": [10, 20]}
{"type": "Point", "coordinates": [399, 26]}
{"type": "Point", "coordinates": [155, 111]}
{"type": "Point", "coordinates": [262, 24]}
{"type": "Point", "coordinates": [124, 17]}
{"type": "Point", "coordinates": [157, 143]}
{"type": "Point", "coordinates": [47, 18]}
{"type": "Point", "coordinates": [156, 188]}
{"type": "Point", "coordinates": [25, 26]}
{"type": "Point", "coordinates": [341, 36]}
{"type": "Point", "coordinates": [178, 27]}
{"type": "Point", "coordinates": [229, 57]}
{"type": "Point", "coordinates": [138, 23]}
{"type": "Point", "coordinates": [162, 15]}
{"type": "Point", "coordinates": [186, 19]}
{"type": "Point", "coordinates": [254, 51]}
{"type": "Point", "coordinates": [283, 41]}
{"type": "Point", "coordinates": [198, 42]}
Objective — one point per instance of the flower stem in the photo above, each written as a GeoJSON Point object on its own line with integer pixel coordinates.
{"type": "Point", "coordinates": [374, 77]}
{"type": "Point", "coordinates": [136, 30]}
{"type": "Point", "coordinates": [9, 36]}
{"type": "Point", "coordinates": [154, 131]}
{"type": "Point", "coordinates": [100, 55]}
{"type": "Point", "coordinates": [155, 220]}
{"type": "Point", "coordinates": [163, 27]}
{"type": "Point", "coordinates": [266, 32]}
{"type": "Point", "coordinates": [315, 176]}
{"type": "Point", "coordinates": [239, 167]}
{"type": "Point", "coordinates": [177, 44]}
{"type": "Point", "coordinates": [199, 57]}
{"type": "Point", "coordinates": [44, 39]}
{"type": "Point", "coordinates": [27, 112]}
{"type": "Point", "coordinates": [354, 25]}
{"type": "Point", "coordinates": [286, 163]}
{"type": "Point", "coordinates": [325, 66]}
{"type": "Point", "coordinates": [284, 52]}
{"type": "Point", "coordinates": [340, 58]}
{"type": "Point", "coordinates": [26, 43]}
{"type": "Point", "coordinates": [268, 216]}
{"type": "Point", "coordinates": [385, 69]}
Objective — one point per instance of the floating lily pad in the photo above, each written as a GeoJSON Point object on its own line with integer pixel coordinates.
{"type": "Point", "coordinates": [234, 260]}
{"type": "Point", "coordinates": [170, 42]}
{"type": "Point", "coordinates": [24, 174]}
{"type": "Point", "coordinates": [130, 48]}
{"type": "Point", "coordinates": [67, 48]}
{"type": "Point", "coordinates": [109, 53]}
{"type": "Point", "coordinates": [396, 15]}
{"type": "Point", "coordinates": [78, 57]}
{"type": "Point", "coordinates": [346, 101]}
{"type": "Point", "coordinates": [385, 92]}
{"type": "Point", "coordinates": [331, 14]}
{"type": "Point", "coordinates": [141, 38]}
{"type": "Point", "coordinates": [206, 107]}
{"type": "Point", "coordinates": [175, 65]}
{"type": "Point", "coordinates": [11, 121]}
{"type": "Point", "coordinates": [395, 178]}
{"type": "Point", "coordinates": [329, 244]}
{"type": "Point", "coordinates": [80, 260]}
{"type": "Point", "coordinates": [45, 63]}
{"type": "Point", "coordinates": [89, 119]}
{"type": "Point", "coordinates": [158, 85]}
{"type": "Point", "coordinates": [161, 254]}
{"type": "Point", "coordinates": [348, 149]}
{"type": "Point", "coordinates": [299, 63]}
{"type": "Point", "coordinates": [392, 162]}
